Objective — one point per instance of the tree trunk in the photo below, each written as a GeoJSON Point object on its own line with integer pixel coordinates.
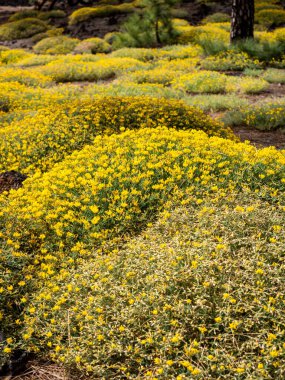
{"type": "Point", "coordinates": [242, 20]}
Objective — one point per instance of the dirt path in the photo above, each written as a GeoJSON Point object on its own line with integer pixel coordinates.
{"type": "Point", "coordinates": [261, 139]}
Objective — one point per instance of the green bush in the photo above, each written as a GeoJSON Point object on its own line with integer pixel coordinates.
{"type": "Point", "coordinates": [22, 29]}
{"type": "Point", "coordinates": [36, 14]}
{"type": "Point", "coordinates": [262, 50]}
{"type": "Point", "coordinates": [28, 13]}
{"type": "Point", "coordinates": [53, 134]}
{"type": "Point", "coordinates": [270, 17]}
{"type": "Point", "coordinates": [93, 46]}
{"type": "Point", "coordinates": [56, 45]}
{"type": "Point", "coordinates": [229, 60]}
{"type": "Point", "coordinates": [8, 56]}
{"type": "Point", "coordinates": [216, 17]}
{"type": "Point", "coordinates": [85, 14]}
{"type": "Point", "coordinates": [274, 76]}
{"type": "Point", "coordinates": [196, 296]}
{"type": "Point", "coordinates": [49, 33]}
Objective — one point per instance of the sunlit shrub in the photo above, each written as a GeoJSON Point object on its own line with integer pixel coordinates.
{"type": "Point", "coordinates": [30, 13]}
{"type": "Point", "coordinates": [202, 81]}
{"type": "Point", "coordinates": [8, 56]}
{"type": "Point", "coordinates": [142, 54]}
{"type": "Point", "coordinates": [77, 70]}
{"type": "Point", "coordinates": [55, 132]}
{"type": "Point", "coordinates": [25, 28]}
{"type": "Point", "coordinates": [145, 306]}
{"type": "Point", "coordinates": [92, 46]}
{"type": "Point", "coordinates": [230, 60]}
{"type": "Point", "coordinates": [274, 76]}
{"type": "Point", "coordinates": [67, 215]}
{"type": "Point", "coordinates": [56, 45]}
{"type": "Point", "coordinates": [266, 116]}
{"type": "Point", "coordinates": [216, 17]}
{"type": "Point", "coordinates": [270, 17]}
{"type": "Point", "coordinates": [86, 14]}
{"type": "Point", "coordinates": [27, 77]}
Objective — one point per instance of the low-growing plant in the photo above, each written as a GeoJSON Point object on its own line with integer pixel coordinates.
{"type": "Point", "coordinates": [25, 28]}
{"type": "Point", "coordinates": [93, 46]}
{"type": "Point", "coordinates": [56, 45]}
{"type": "Point", "coordinates": [31, 13]}
{"type": "Point", "coordinates": [52, 133]}
{"type": "Point", "coordinates": [202, 81]}
{"type": "Point", "coordinates": [79, 70]}
{"type": "Point", "coordinates": [229, 60]}
{"type": "Point", "coordinates": [274, 76]}
{"type": "Point", "coordinates": [144, 306]}
{"type": "Point", "coordinates": [216, 102]}
{"type": "Point", "coordinates": [86, 14]}
{"type": "Point", "coordinates": [66, 216]}
{"type": "Point", "coordinates": [9, 56]}
{"type": "Point", "coordinates": [270, 17]}
{"type": "Point", "coordinates": [216, 18]}
{"type": "Point", "coordinates": [22, 76]}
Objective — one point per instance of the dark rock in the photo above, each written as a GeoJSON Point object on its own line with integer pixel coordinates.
{"type": "Point", "coordinates": [11, 180]}
{"type": "Point", "coordinates": [16, 364]}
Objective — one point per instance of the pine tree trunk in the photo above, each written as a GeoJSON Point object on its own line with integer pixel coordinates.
{"type": "Point", "coordinates": [242, 20]}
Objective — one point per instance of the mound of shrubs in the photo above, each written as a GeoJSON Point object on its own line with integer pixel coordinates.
{"type": "Point", "coordinates": [54, 14]}
{"type": "Point", "coordinates": [93, 46]}
{"type": "Point", "coordinates": [38, 142]}
{"type": "Point", "coordinates": [203, 288]}
{"type": "Point", "coordinates": [86, 14]}
{"type": "Point", "coordinates": [56, 45]}
{"type": "Point", "coordinates": [20, 29]}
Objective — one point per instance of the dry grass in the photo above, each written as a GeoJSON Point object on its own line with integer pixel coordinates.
{"type": "Point", "coordinates": [43, 371]}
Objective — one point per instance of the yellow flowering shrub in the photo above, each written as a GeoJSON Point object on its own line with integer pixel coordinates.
{"type": "Point", "coordinates": [88, 13]}
{"type": "Point", "coordinates": [92, 201]}
{"type": "Point", "coordinates": [213, 82]}
{"type": "Point", "coordinates": [13, 56]}
{"type": "Point", "coordinates": [269, 17]}
{"type": "Point", "coordinates": [78, 70]}
{"type": "Point", "coordinates": [24, 28]}
{"type": "Point", "coordinates": [156, 75]}
{"type": "Point", "coordinates": [230, 60]}
{"type": "Point", "coordinates": [41, 140]}
{"type": "Point", "coordinates": [141, 54]}
{"type": "Point", "coordinates": [201, 81]}
{"type": "Point", "coordinates": [92, 46]}
{"type": "Point", "coordinates": [199, 295]}
{"type": "Point", "coordinates": [56, 45]}
{"type": "Point", "coordinates": [28, 77]}
{"type": "Point", "coordinates": [268, 115]}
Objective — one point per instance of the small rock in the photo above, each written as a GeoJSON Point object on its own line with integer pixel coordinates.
{"type": "Point", "coordinates": [11, 180]}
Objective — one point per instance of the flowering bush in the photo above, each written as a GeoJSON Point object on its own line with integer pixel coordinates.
{"type": "Point", "coordinates": [67, 216]}
{"type": "Point", "coordinates": [56, 45]}
{"type": "Point", "coordinates": [41, 140]}
{"type": "Point", "coordinates": [24, 28]}
{"type": "Point", "coordinates": [230, 60]}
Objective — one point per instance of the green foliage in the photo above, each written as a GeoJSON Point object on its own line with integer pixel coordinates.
{"type": "Point", "coordinates": [270, 17]}
{"type": "Point", "coordinates": [8, 56]}
{"type": "Point", "coordinates": [262, 50]}
{"type": "Point", "coordinates": [151, 27]}
{"type": "Point", "coordinates": [216, 17]}
{"type": "Point", "coordinates": [25, 28]}
{"type": "Point", "coordinates": [56, 45]}
{"type": "Point", "coordinates": [86, 14]}
{"type": "Point", "coordinates": [92, 46]}
{"type": "Point", "coordinates": [36, 14]}
{"type": "Point", "coordinates": [274, 76]}
{"type": "Point", "coordinates": [229, 60]}
{"type": "Point", "coordinates": [49, 33]}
